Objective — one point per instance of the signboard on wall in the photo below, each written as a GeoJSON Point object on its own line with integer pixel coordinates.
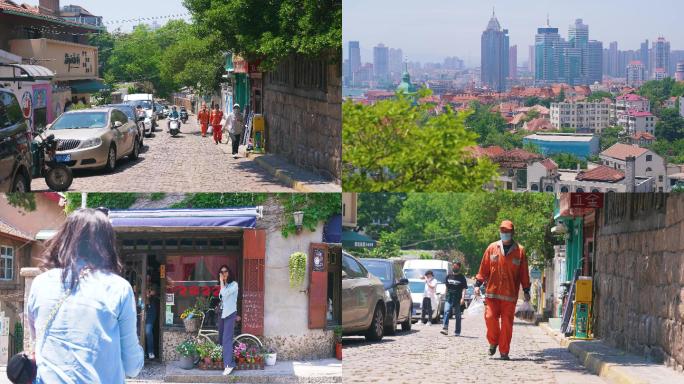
{"type": "Point", "coordinates": [253, 308]}
{"type": "Point", "coordinates": [240, 65]}
{"type": "Point", "coordinates": [586, 200]}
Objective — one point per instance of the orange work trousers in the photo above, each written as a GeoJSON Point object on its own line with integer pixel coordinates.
{"type": "Point", "coordinates": [218, 133]}
{"type": "Point", "coordinates": [503, 311]}
{"type": "Point", "coordinates": [204, 128]}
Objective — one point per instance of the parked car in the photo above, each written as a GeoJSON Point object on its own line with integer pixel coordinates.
{"type": "Point", "coordinates": [15, 144]}
{"type": "Point", "coordinates": [398, 297]}
{"type": "Point", "coordinates": [95, 138]}
{"type": "Point", "coordinates": [363, 301]}
{"type": "Point", "coordinates": [415, 268]}
{"type": "Point", "coordinates": [129, 110]}
{"type": "Point", "coordinates": [146, 101]}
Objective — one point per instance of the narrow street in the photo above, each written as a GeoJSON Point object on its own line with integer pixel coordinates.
{"type": "Point", "coordinates": [423, 355]}
{"type": "Point", "coordinates": [186, 163]}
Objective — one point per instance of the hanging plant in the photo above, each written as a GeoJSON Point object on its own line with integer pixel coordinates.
{"type": "Point", "coordinates": [297, 268]}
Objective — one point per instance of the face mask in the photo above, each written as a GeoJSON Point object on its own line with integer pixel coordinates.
{"type": "Point", "coordinates": [456, 270]}
{"type": "Point", "coordinates": [505, 236]}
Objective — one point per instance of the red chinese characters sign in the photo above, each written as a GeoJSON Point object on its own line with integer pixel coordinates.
{"type": "Point", "coordinates": [194, 290]}
{"type": "Point", "coordinates": [254, 67]}
{"type": "Point", "coordinates": [586, 200]}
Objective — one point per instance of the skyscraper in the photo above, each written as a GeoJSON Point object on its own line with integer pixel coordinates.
{"type": "Point", "coordinates": [578, 34]}
{"type": "Point", "coordinates": [530, 62]}
{"type": "Point", "coordinates": [644, 55]}
{"type": "Point", "coordinates": [494, 55]}
{"type": "Point", "coordinates": [636, 73]}
{"type": "Point", "coordinates": [594, 62]}
{"type": "Point", "coordinates": [613, 59]}
{"type": "Point", "coordinates": [660, 58]}
{"type": "Point", "coordinates": [354, 61]}
{"type": "Point", "coordinates": [513, 62]}
{"type": "Point", "coordinates": [546, 54]}
{"type": "Point", "coordinates": [396, 60]}
{"type": "Point", "coordinates": [381, 63]}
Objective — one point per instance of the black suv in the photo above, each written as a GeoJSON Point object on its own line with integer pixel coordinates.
{"type": "Point", "coordinates": [15, 146]}
{"type": "Point", "coordinates": [398, 295]}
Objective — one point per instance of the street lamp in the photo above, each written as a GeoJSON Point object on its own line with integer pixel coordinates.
{"type": "Point", "coordinates": [298, 219]}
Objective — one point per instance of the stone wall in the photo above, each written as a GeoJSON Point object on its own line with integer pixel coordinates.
{"type": "Point", "coordinates": [639, 275]}
{"type": "Point", "coordinates": [303, 112]}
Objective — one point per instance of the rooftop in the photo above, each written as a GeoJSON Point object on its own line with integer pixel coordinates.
{"type": "Point", "coordinates": [601, 173]}
{"type": "Point", "coordinates": [11, 8]}
{"type": "Point", "coordinates": [622, 151]}
{"type": "Point", "coordinates": [635, 113]}
{"type": "Point", "coordinates": [559, 137]}
{"type": "Point", "coordinates": [10, 230]}
{"type": "Point", "coordinates": [631, 97]}
{"type": "Point", "coordinates": [643, 135]}
{"type": "Point", "coordinates": [539, 124]}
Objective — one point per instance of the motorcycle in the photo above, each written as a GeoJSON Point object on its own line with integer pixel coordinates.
{"type": "Point", "coordinates": [174, 126]}
{"type": "Point", "coordinates": [184, 115]}
{"type": "Point", "coordinates": [47, 164]}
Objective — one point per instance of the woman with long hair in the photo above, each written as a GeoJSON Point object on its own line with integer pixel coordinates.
{"type": "Point", "coordinates": [226, 325]}
{"type": "Point", "coordinates": [81, 312]}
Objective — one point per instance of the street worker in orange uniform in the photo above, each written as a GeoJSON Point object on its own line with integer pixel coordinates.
{"type": "Point", "coordinates": [503, 269]}
{"type": "Point", "coordinates": [203, 119]}
{"type": "Point", "coordinates": [217, 123]}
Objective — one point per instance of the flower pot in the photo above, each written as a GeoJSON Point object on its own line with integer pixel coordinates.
{"type": "Point", "coordinates": [186, 362]}
{"type": "Point", "coordinates": [207, 361]}
{"type": "Point", "coordinates": [338, 351]}
{"type": "Point", "coordinates": [191, 325]}
{"type": "Point", "coordinates": [271, 359]}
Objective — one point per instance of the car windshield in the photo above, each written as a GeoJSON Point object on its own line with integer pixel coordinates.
{"type": "Point", "coordinates": [130, 112]}
{"type": "Point", "coordinates": [81, 120]}
{"type": "Point", "coordinates": [417, 286]}
{"type": "Point", "coordinates": [439, 274]}
{"type": "Point", "coordinates": [379, 269]}
{"type": "Point", "coordinates": [146, 104]}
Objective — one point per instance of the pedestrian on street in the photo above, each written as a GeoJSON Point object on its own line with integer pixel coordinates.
{"type": "Point", "coordinates": [81, 312]}
{"type": "Point", "coordinates": [429, 297]}
{"type": "Point", "coordinates": [203, 119]}
{"type": "Point", "coordinates": [151, 315]}
{"type": "Point", "coordinates": [456, 285]}
{"type": "Point", "coordinates": [237, 128]}
{"type": "Point", "coordinates": [504, 270]}
{"type": "Point", "coordinates": [216, 122]}
{"type": "Point", "coordinates": [226, 326]}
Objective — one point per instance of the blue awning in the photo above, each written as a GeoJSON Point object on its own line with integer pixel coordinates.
{"type": "Point", "coordinates": [185, 218]}
{"type": "Point", "coordinates": [87, 86]}
{"type": "Point", "coordinates": [332, 232]}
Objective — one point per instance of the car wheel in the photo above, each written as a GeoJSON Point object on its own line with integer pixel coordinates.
{"type": "Point", "coordinates": [406, 325]}
{"type": "Point", "coordinates": [392, 328]}
{"type": "Point", "coordinates": [20, 183]}
{"type": "Point", "coordinates": [377, 327]}
{"type": "Point", "coordinates": [136, 151]}
{"type": "Point", "coordinates": [111, 159]}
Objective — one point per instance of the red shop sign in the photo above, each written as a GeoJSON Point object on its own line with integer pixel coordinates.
{"type": "Point", "coordinates": [586, 200]}
{"type": "Point", "coordinates": [254, 66]}
{"type": "Point", "coordinates": [240, 65]}
{"type": "Point", "coordinates": [195, 290]}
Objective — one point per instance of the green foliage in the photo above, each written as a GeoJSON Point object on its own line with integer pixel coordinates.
{"type": "Point", "coordinates": [23, 201]}
{"type": "Point", "coordinates": [297, 269]}
{"type": "Point", "coordinates": [382, 208]}
{"type": "Point", "coordinates": [104, 41]}
{"type": "Point", "coordinates": [388, 246]}
{"type": "Point", "coordinates": [561, 96]}
{"type": "Point", "coordinates": [317, 207]}
{"type": "Point", "coordinates": [568, 161]}
{"type": "Point", "coordinates": [95, 200]}
{"type": "Point", "coordinates": [187, 348]}
{"type": "Point", "coordinates": [425, 256]}
{"type": "Point", "coordinates": [657, 91]}
{"type": "Point", "coordinates": [271, 30]}
{"type": "Point", "coordinates": [670, 125]}
{"type": "Point", "coordinates": [221, 200]}
{"type": "Point", "coordinates": [600, 95]}
{"type": "Point", "coordinates": [398, 145]}
{"type": "Point", "coordinates": [671, 151]}
{"type": "Point", "coordinates": [610, 136]}
{"type": "Point", "coordinates": [534, 100]}
{"type": "Point", "coordinates": [205, 349]}
{"type": "Point", "coordinates": [156, 196]}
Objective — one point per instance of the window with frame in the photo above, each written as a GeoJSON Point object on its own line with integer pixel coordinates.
{"type": "Point", "coordinates": [6, 263]}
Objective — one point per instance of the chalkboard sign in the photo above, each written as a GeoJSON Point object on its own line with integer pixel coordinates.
{"type": "Point", "coordinates": [318, 260]}
{"type": "Point", "coordinates": [252, 310]}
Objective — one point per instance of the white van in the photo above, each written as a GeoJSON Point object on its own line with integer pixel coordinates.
{"type": "Point", "coordinates": [414, 269]}
{"type": "Point", "coordinates": [146, 100]}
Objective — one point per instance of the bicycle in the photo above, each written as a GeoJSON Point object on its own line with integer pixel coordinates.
{"type": "Point", "coordinates": [212, 335]}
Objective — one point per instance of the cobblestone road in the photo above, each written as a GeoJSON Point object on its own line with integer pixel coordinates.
{"type": "Point", "coordinates": [426, 356]}
{"type": "Point", "coordinates": [187, 163]}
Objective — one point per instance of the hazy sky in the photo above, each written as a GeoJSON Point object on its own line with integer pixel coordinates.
{"type": "Point", "coordinates": [116, 10]}
{"type": "Point", "coordinates": [429, 30]}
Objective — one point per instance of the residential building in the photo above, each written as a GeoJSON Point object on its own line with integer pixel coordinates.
{"type": "Point", "coordinates": [79, 14]}
{"type": "Point", "coordinates": [513, 62]}
{"type": "Point", "coordinates": [580, 145]}
{"type": "Point", "coordinates": [591, 117]}
{"type": "Point", "coordinates": [381, 63]}
{"type": "Point", "coordinates": [538, 124]}
{"type": "Point", "coordinates": [647, 163]}
{"type": "Point", "coordinates": [636, 121]}
{"type": "Point", "coordinates": [494, 56]}
{"type": "Point", "coordinates": [679, 71]}
{"type": "Point", "coordinates": [629, 102]}
{"type": "Point", "coordinates": [660, 74]}
{"type": "Point", "coordinates": [636, 73]}
{"type": "Point", "coordinates": [670, 102]}
{"type": "Point", "coordinates": [660, 58]}
{"type": "Point", "coordinates": [642, 139]}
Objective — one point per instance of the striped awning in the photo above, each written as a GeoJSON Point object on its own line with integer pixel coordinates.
{"type": "Point", "coordinates": [186, 218]}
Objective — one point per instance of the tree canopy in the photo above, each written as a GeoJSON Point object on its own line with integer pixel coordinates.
{"type": "Point", "coordinates": [600, 95]}
{"type": "Point", "coordinates": [670, 125]}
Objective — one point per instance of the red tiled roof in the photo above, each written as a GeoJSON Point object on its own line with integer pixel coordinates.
{"type": "Point", "coordinates": [631, 97]}
{"type": "Point", "coordinates": [539, 124]}
{"type": "Point", "coordinates": [622, 151]}
{"type": "Point", "coordinates": [33, 12]}
{"type": "Point", "coordinates": [517, 118]}
{"type": "Point", "coordinates": [635, 113]}
{"type": "Point", "coordinates": [549, 164]}
{"type": "Point", "coordinates": [519, 154]}
{"type": "Point", "coordinates": [643, 135]}
{"type": "Point", "coordinates": [601, 173]}
{"type": "Point", "coordinates": [8, 229]}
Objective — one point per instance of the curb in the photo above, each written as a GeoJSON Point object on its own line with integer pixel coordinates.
{"type": "Point", "coordinates": [282, 175]}
{"type": "Point", "coordinates": [593, 361]}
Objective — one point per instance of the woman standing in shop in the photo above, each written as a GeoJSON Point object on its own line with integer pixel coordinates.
{"type": "Point", "coordinates": [228, 295]}
{"type": "Point", "coordinates": [81, 312]}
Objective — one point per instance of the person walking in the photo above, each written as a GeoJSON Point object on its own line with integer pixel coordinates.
{"type": "Point", "coordinates": [429, 298]}
{"type": "Point", "coordinates": [237, 128]}
{"type": "Point", "coordinates": [151, 315]}
{"type": "Point", "coordinates": [203, 117]}
{"type": "Point", "coordinates": [81, 312]}
{"type": "Point", "coordinates": [228, 296]}
{"type": "Point", "coordinates": [216, 121]}
{"type": "Point", "coordinates": [456, 285]}
{"type": "Point", "coordinates": [504, 270]}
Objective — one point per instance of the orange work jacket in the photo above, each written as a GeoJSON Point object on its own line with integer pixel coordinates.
{"type": "Point", "coordinates": [216, 117]}
{"type": "Point", "coordinates": [504, 273]}
{"type": "Point", "coordinates": [203, 116]}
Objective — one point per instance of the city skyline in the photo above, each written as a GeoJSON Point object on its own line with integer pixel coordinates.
{"type": "Point", "coordinates": [423, 41]}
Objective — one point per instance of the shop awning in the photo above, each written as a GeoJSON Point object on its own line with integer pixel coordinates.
{"type": "Point", "coordinates": [356, 240]}
{"type": "Point", "coordinates": [87, 86]}
{"type": "Point", "coordinates": [186, 218]}
{"type": "Point", "coordinates": [24, 72]}
{"type": "Point", "coordinates": [46, 234]}
{"type": "Point", "coordinates": [332, 231]}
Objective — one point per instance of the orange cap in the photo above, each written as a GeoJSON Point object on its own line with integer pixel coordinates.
{"type": "Point", "coordinates": [506, 224]}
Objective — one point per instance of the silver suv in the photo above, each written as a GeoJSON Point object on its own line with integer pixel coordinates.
{"type": "Point", "coordinates": [363, 301]}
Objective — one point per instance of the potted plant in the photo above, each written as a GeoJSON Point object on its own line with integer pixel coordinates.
{"type": "Point", "coordinates": [187, 351]}
{"type": "Point", "coordinates": [270, 356]}
{"type": "Point", "coordinates": [204, 351]}
{"type": "Point", "coordinates": [191, 319]}
{"type": "Point", "coordinates": [239, 353]}
{"type": "Point", "coordinates": [217, 356]}
{"type": "Point", "coordinates": [297, 269]}
{"type": "Point", "coordinates": [338, 342]}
